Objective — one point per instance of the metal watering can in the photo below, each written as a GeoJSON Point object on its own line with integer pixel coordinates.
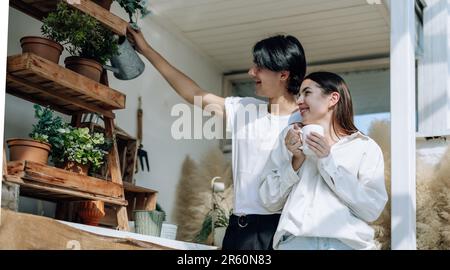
{"type": "Point", "coordinates": [126, 65]}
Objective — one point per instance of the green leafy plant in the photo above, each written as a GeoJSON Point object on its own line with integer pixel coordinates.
{"type": "Point", "coordinates": [81, 34]}
{"type": "Point", "coordinates": [83, 147]}
{"type": "Point", "coordinates": [221, 220]}
{"type": "Point", "coordinates": [46, 129]}
{"type": "Point", "coordinates": [133, 8]}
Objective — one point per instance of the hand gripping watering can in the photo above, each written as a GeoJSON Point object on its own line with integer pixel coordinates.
{"type": "Point", "coordinates": [126, 65]}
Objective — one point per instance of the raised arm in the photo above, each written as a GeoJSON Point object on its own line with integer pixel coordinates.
{"type": "Point", "coordinates": [182, 84]}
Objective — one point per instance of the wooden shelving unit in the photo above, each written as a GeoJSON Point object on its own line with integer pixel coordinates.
{"type": "Point", "coordinates": [38, 80]}
{"type": "Point", "coordinates": [41, 81]}
{"type": "Point", "coordinates": [40, 8]}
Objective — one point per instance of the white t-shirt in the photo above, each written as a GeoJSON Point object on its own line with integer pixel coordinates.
{"type": "Point", "coordinates": [254, 131]}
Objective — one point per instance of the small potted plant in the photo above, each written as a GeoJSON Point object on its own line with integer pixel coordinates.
{"type": "Point", "coordinates": [221, 219]}
{"type": "Point", "coordinates": [134, 8]}
{"type": "Point", "coordinates": [43, 135]}
{"type": "Point", "coordinates": [49, 46]}
{"type": "Point", "coordinates": [89, 43]}
{"type": "Point", "coordinates": [81, 150]}
{"type": "Point", "coordinates": [91, 212]}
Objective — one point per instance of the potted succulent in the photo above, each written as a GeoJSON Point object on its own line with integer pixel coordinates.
{"type": "Point", "coordinates": [90, 44]}
{"type": "Point", "coordinates": [134, 8]}
{"type": "Point", "coordinates": [81, 150]}
{"type": "Point", "coordinates": [43, 135]}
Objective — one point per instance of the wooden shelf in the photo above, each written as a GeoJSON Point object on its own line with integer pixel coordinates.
{"type": "Point", "coordinates": [43, 181]}
{"type": "Point", "coordinates": [38, 80]}
{"type": "Point", "coordinates": [138, 198]}
{"type": "Point", "coordinates": [40, 8]}
{"type": "Point", "coordinates": [132, 188]}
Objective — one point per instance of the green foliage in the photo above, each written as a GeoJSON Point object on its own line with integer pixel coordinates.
{"type": "Point", "coordinates": [46, 129]}
{"type": "Point", "coordinates": [82, 147]}
{"type": "Point", "coordinates": [221, 219]}
{"type": "Point", "coordinates": [81, 34]}
{"type": "Point", "coordinates": [133, 9]}
{"type": "Point", "coordinates": [160, 209]}
{"type": "Point", "coordinates": [205, 231]}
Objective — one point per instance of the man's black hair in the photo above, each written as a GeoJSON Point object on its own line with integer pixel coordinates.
{"type": "Point", "coordinates": [282, 53]}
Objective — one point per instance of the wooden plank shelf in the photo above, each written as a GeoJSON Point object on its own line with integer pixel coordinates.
{"type": "Point", "coordinates": [40, 8]}
{"type": "Point", "coordinates": [139, 198]}
{"type": "Point", "coordinates": [40, 81]}
{"type": "Point", "coordinates": [51, 183]}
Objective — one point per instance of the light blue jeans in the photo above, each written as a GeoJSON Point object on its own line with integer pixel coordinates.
{"type": "Point", "coordinates": [311, 243]}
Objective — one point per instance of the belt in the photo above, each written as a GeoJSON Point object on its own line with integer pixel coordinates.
{"type": "Point", "coordinates": [243, 220]}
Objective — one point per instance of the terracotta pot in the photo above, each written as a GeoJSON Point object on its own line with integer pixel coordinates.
{"type": "Point", "coordinates": [44, 47]}
{"type": "Point", "coordinates": [87, 67]}
{"type": "Point", "coordinates": [91, 212]}
{"type": "Point", "coordinates": [26, 149]}
{"type": "Point", "coordinates": [75, 167]}
{"type": "Point", "coordinates": [106, 4]}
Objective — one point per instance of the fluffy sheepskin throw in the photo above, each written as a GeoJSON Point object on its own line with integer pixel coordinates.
{"type": "Point", "coordinates": [433, 195]}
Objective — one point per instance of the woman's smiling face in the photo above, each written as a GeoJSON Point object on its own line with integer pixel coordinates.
{"type": "Point", "coordinates": [312, 103]}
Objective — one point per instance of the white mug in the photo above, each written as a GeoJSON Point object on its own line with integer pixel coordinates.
{"type": "Point", "coordinates": [305, 131]}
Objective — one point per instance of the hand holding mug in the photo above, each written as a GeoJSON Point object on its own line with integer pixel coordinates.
{"type": "Point", "coordinates": [318, 144]}
{"type": "Point", "coordinates": [293, 141]}
{"type": "Point", "coordinates": [315, 143]}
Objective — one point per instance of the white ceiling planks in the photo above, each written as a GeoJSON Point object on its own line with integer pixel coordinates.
{"type": "Point", "coordinates": [226, 30]}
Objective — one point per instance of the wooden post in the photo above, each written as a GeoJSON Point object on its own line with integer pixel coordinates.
{"type": "Point", "coordinates": [150, 203]}
{"type": "Point", "coordinates": [76, 120]}
{"type": "Point", "coordinates": [114, 169]}
{"type": "Point", "coordinates": [5, 166]}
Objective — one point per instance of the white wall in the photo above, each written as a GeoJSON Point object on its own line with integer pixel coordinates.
{"type": "Point", "coordinates": [165, 154]}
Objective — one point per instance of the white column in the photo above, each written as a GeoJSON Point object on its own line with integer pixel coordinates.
{"type": "Point", "coordinates": [403, 141]}
{"type": "Point", "coordinates": [3, 44]}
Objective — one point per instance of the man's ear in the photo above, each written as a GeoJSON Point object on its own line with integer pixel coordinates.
{"type": "Point", "coordinates": [284, 75]}
{"type": "Point", "coordinates": [334, 99]}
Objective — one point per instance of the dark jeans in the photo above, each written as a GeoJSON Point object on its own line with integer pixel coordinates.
{"type": "Point", "coordinates": [250, 232]}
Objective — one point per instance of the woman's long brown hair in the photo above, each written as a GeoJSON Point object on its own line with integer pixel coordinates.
{"type": "Point", "coordinates": [343, 110]}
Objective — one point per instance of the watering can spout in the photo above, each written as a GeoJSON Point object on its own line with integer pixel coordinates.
{"type": "Point", "coordinates": [127, 64]}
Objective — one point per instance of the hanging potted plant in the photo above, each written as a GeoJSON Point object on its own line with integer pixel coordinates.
{"type": "Point", "coordinates": [134, 9]}
{"type": "Point", "coordinates": [89, 43]}
{"type": "Point", "coordinates": [43, 135]}
{"type": "Point", "coordinates": [81, 150]}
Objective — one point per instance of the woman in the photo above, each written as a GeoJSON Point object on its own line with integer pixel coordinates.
{"type": "Point", "coordinates": [327, 198]}
{"type": "Point", "coordinates": [278, 70]}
